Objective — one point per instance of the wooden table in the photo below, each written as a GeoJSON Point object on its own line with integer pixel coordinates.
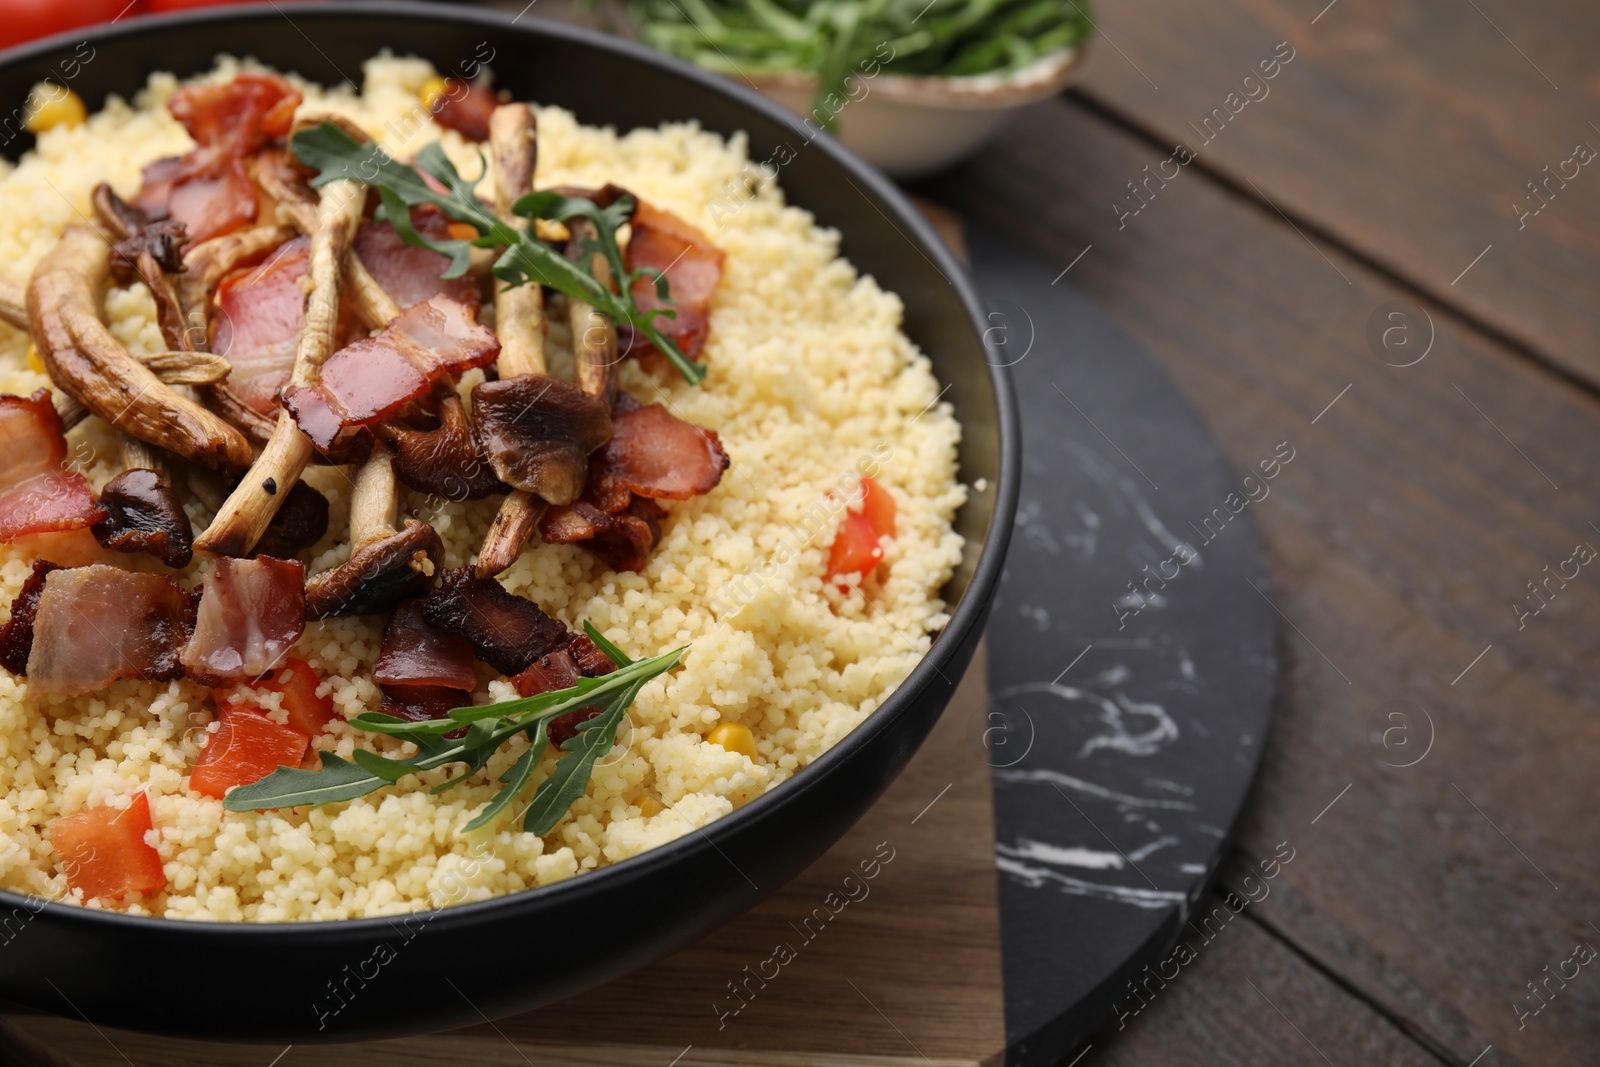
{"type": "Point", "coordinates": [1386, 163]}
{"type": "Point", "coordinates": [1444, 859]}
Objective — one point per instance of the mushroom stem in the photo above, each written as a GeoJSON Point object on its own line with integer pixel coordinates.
{"type": "Point", "coordinates": [86, 361]}
{"type": "Point", "coordinates": [373, 306]}
{"type": "Point", "coordinates": [13, 304]}
{"type": "Point", "coordinates": [248, 510]}
{"type": "Point", "coordinates": [140, 454]}
{"type": "Point", "coordinates": [518, 312]}
{"type": "Point", "coordinates": [374, 499]}
{"type": "Point", "coordinates": [519, 320]}
{"type": "Point", "coordinates": [71, 412]}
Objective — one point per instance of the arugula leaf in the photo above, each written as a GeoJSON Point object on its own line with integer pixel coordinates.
{"type": "Point", "coordinates": [616, 655]}
{"type": "Point", "coordinates": [571, 776]}
{"type": "Point", "coordinates": [514, 779]}
{"type": "Point", "coordinates": [488, 728]}
{"type": "Point", "coordinates": [339, 157]}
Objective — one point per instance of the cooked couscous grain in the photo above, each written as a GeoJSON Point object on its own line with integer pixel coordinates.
{"type": "Point", "coordinates": [811, 383]}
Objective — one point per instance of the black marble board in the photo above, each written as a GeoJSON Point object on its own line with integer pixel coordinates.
{"type": "Point", "coordinates": [1132, 659]}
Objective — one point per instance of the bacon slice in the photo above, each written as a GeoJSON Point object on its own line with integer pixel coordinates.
{"type": "Point", "coordinates": [416, 653]}
{"type": "Point", "coordinates": [622, 541]}
{"type": "Point", "coordinates": [16, 636]}
{"type": "Point", "coordinates": [209, 190]}
{"type": "Point", "coordinates": [507, 632]}
{"type": "Point", "coordinates": [654, 453]}
{"type": "Point", "coordinates": [539, 431]}
{"type": "Point", "coordinates": [408, 274]}
{"type": "Point", "coordinates": [252, 611]}
{"type": "Point", "coordinates": [259, 314]}
{"type": "Point", "coordinates": [372, 378]}
{"type": "Point", "coordinates": [258, 319]}
{"type": "Point", "coordinates": [36, 494]}
{"type": "Point", "coordinates": [96, 624]}
{"type": "Point", "coordinates": [692, 266]}
{"type": "Point", "coordinates": [419, 703]}
{"type": "Point", "coordinates": [465, 108]}
{"type": "Point", "coordinates": [561, 669]}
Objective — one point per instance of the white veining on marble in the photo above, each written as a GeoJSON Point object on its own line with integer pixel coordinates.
{"type": "Point", "coordinates": [1041, 877]}
{"type": "Point", "coordinates": [1042, 776]}
{"type": "Point", "coordinates": [1089, 859]}
{"type": "Point", "coordinates": [1161, 731]}
{"type": "Point", "coordinates": [1107, 475]}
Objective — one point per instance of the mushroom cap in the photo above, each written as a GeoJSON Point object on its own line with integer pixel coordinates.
{"type": "Point", "coordinates": [378, 575]}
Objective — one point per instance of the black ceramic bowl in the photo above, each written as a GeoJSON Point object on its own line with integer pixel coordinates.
{"type": "Point", "coordinates": [374, 978]}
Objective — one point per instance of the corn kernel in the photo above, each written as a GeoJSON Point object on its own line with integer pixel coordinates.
{"type": "Point", "coordinates": [49, 108]}
{"type": "Point", "coordinates": [735, 737]}
{"type": "Point", "coordinates": [432, 90]}
{"type": "Point", "coordinates": [34, 362]}
{"type": "Point", "coordinates": [649, 806]}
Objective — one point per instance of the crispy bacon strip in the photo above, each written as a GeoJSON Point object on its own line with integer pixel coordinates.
{"type": "Point", "coordinates": [561, 669]}
{"type": "Point", "coordinates": [507, 632]}
{"type": "Point", "coordinates": [419, 703]}
{"type": "Point", "coordinates": [654, 453]}
{"type": "Point", "coordinates": [36, 494]}
{"type": "Point", "coordinates": [209, 190]}
{"type": "Point", "coordinates": [622, 540]}
{"type": "Point", "coordinates": [16, 636]}
{"type": "Point", "coordinates": [464, 107]}
{"type": "Point", "coordinates": [365, 381]}
{"type": "Point", "coordinates": [409, 274]}
{"type": "Point", "coordinates": [252, 611]}
{"type": "Point", "coordinates": [416, 653]}
{"type": "Point", "coordinates": [96, 624]}
{"type": "Point", "coordinates": [259, 313]}
{"type": "Point", "coordinates": [693, 268]}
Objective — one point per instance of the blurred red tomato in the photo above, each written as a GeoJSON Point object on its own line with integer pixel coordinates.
{"type": "Point", "coordinates": [182, 5]}
{"type": "Point", "coordinates": [23, 20]}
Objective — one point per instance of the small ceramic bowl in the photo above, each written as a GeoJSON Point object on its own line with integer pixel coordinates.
{"type": "Point", "coordinates": [911, 126]}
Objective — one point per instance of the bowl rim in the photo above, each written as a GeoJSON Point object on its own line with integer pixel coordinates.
{"type": "Point", "coordinates": [967, 614]}
{"type": "Point", "coordinates": [1039, 80]}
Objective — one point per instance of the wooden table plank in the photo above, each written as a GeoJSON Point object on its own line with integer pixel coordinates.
{"type": "Point", "coordinates": [1246, 998]}
{"type": "Point", "coordinates": [1405, 128]}
{"type": "Point", "coordinates": [1398, 538]}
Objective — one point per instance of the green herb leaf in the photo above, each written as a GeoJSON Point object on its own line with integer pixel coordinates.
{"type": "Point", "coordinates": [571, 777]}
{"type": "Point", "coordinates": [338, 156]}
{"type": "Point", "coordinates": [616, 655]}
{"type": "Point", "coordinates": [514, 779]}
{"type": "Point", "coordinates": [287, 787]}
{"type": "Point", "coordinates": [488, 727]}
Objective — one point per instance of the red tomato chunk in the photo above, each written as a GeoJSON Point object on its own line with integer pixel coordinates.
{"type": "Point", "coordinates": [308, 713]}
{"type": "Point", "coordinates": [103, 851]}
{"type": "Point", "coordinates": [247, 747]}
{"type": "Point", "coordinates": [855, 548]}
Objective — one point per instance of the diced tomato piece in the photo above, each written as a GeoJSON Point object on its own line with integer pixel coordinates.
{"type": "Point", "coordinates": [297, 682]}
{"type": "Point", "coordinates": [465, 108]}
{"type": "Point", "coordinates": [878, 506]}
{"type": "Point", "coordinates": [855, 548]}
{"type": "Point", "coordinates": [103, 851]}
{"type": "Point", "coordinates": [247, 747]}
